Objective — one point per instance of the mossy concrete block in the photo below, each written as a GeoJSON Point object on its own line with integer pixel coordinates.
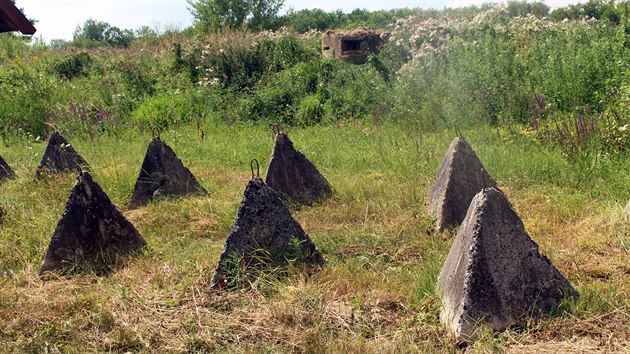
{"type": "Point", "coordinates": [163, 174]}
{"type": "Point", "coordinates": [494, 273]}
{"type": "Point", "coordinates": [460, 176]}
{"type": "Point", "coordinates": [5, 170]}
{"type": "Point", "coordinates": [293, 176]}
{"type": "Point", "coordinates": [59, 156]}
{"type": "Point", "coordinates": [264, 236]}
{"type": "Point", "coordinates": [91, 231]}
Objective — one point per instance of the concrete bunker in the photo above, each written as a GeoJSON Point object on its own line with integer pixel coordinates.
{"type": "Point", "coordinates": [352, 46]}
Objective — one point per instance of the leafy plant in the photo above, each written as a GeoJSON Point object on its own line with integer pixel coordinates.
{"type": "Point", "coordinates": [74, 66]}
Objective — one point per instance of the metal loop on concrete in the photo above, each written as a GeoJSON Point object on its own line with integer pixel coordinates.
{"type": "Point", "coordinates": [251, 164]}
{"type": "Point", "coordinates": [275, 127]}
{"type": "Point", "coordinates": [459, 133]}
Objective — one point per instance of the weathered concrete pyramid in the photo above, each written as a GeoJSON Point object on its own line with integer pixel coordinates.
{"type": "Point", "coordinates": [163, 173]}
{"type": "Point", "coordinates": [92, 231]}
{"type": "Point", "coordinates": [460, 176]}
{"type": "Point", "coordinates": [494, 273]}
{"type": "Point", "coordinates": [293, 176]}
{"type": "Point", "coordinates": [5, 170]}
{"type": "Point", "coordinates": [264, 235]}
{"type": "Point", "coordinates": [59, 156]}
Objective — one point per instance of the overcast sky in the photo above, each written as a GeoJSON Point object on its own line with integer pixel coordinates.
{"type": "Point", "coordinates": [58, 19]}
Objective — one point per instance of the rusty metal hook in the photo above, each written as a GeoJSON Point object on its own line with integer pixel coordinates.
{"type": "Point", "coordinates": [153, 131]}
{"type": "Point", "coordinates": [459, 133]}
{"type": "Point", "coordinates": [275, 128]}
{"type": "Point", "coordinates": [251, 164]}
{"type": "Point", "coordinates": [483, 179]}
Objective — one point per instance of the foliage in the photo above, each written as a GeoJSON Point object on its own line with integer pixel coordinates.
{"type": "Point", "coordinates": [97, 33]}
{"type": "Point", "coordinates": [309, 111]}
{"type": "Point", "coordinates": [304, 20]}
{"type": "Point", "coordinates": [456, 67]}
{"type": "Point", "coordinates": [216, 15]}
{"type": "Point", "coordinates": [310, 93]}
{"type": "Point", "coordinates": [26, 93]}
{"type": "Point", "coordinates": [238, 60]}
{"type": "Point", "coordinates": [313, 19]}
{"type": "Point", "coordinates": [597, 9]}
{"type": "Point", "coordinates": [524, 8]}
{"type": "Point", "coordinates": [486, 68]}
{"type": "Point", "coordinates": [12, 46]}
{"type": "Point", "coordinates": [162, 111]}
{"type": "Point", "coordinates": [76, 65]}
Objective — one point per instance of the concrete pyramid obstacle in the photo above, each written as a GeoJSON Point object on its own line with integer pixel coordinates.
{"type": "Point", "coordinates": [494, 273]}
{"type": "Point", "coordinates": [59, 156]}
{"type": "Point", "coordinates": [163, 173]}
{"type": "Point", "coordinates": [264, 236]}
{"type": "Point", "coordinates": [293, 176]}
{"type": "Point", "coordinates": [5, 170]}
{"type": "Point", "coordinates": [460, 176]}
{"type": "Point", "coordinates": [91, 231]}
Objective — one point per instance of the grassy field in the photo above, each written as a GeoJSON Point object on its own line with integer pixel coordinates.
{"type": "Point", "coordinates": [377, 292]}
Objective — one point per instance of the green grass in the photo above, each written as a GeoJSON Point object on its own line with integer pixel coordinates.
{"type": "Point", "coordinates": [376, 293]}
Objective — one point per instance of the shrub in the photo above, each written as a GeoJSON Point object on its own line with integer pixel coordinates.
{"type": "Point", "coordinates": [159, 112]}
{"type": "Point", "coordinates": [26, 93]}
{"type": "Point", "coordinates": [77, 65]}
{"type": "Point", "coordinates": [464, 71]}
{"type": "Point", "coordinates": [310, 111]}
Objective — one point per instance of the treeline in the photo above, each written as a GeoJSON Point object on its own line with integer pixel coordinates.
{"type": "Point", "coordinates": [256, 15]}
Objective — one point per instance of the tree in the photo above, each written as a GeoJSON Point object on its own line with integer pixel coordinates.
{"type": "Point", "coordinates": [263, 12]}
{"type": "Point", "coordinates": [92, 30]}
{"type": "Point", "coordinates": [95, 32]}
{"type": "Point", "coordinates": [119, 38]}
{"type": "Point", "coordinates": [306, 19]}
{"type": "Point", "coordinates": [522, 8]}
{"type": "Point", "coordinates": [214, 15]}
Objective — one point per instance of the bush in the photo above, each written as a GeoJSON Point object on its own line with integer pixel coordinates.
{"type": "Point", "coordinates": [307, 93]}
{"type": "Point", "coordinates": [310, 111]}
{"type": "Point", "coordinates": [162, 111]}
{"type": "Point", "coordinates": [26, 93]}
{"type": "Point", "coordinates": [238, 60]}
{"type": "Point", "coordinates": [464, 72]}
{"type": "Point", "coordinates": [77, 65]}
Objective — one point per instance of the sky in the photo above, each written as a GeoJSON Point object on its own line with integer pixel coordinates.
{"type": "Point", "coordinates": [58, 19]}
